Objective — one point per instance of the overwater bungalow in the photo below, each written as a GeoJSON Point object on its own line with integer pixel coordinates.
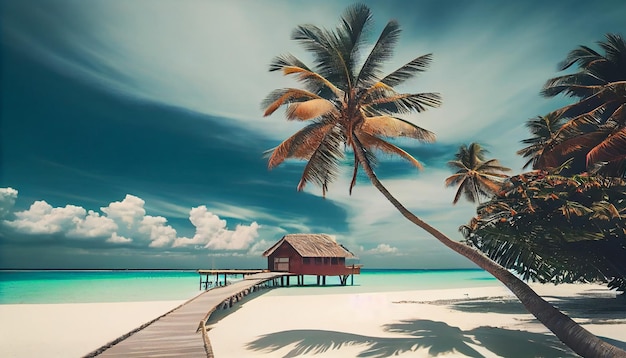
{"type": "Point", "coordinates": [311, 254]}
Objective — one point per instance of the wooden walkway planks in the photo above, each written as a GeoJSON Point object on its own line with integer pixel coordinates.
{"type": "Point", "coordinates": [181, 332]}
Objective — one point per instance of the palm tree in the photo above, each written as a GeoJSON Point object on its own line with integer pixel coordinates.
{"type": "Point", "coordinates": [543, 130]}
{"type": "Point", "coordinates": [350, 104]}
{"type": "Point", "coordinates": [595, 134]}
{"type": "Point", "coordinates": [475, 177]}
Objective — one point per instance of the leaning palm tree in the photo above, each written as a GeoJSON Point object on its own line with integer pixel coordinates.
{"type": "Point", "coordinates": [543, 130]}
{"type": "Point", "coordinates": [350, 104]}
{"type": "Point", "coordinates": [595, 133]}
{"type": "Point", "coordinates": [475, 176]}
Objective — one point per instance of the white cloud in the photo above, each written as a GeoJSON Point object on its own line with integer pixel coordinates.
{"type": "Point", "coordinates": [211, 232]}
{"type": "Point", "coordinates": [42, 218]}
{"type": "Point", "coordinates": [116, 239]}
{"type": "Point", "coordinates": [7, 201]}
{"type": "Point", "coordinates": [155, 228]}
{"type": "Point", "coordinates": [240, 239]}
{"type": "Point", "coordinates": [383, 249]}
{"type": "Point", "coordinates": [129, 211]}
{"type": "Point", "coordinates": [92, 225]}
{"type": "Point", "coordinates": [123, 222]}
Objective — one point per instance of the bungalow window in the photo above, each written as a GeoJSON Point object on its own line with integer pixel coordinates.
{"type": "Point", "coordinates": [318, 260]}
{"type": "Point", "coordinates": [306, 260]}
{"type": "Point", "coordinates": [281, 264]}
{"type": "Point", "coordinates": [334, 261]}
{"type": "Point", "coordinates": [326, 260]}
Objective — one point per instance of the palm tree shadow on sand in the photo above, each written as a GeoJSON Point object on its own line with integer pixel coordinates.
{"type": "Point", "coordinates": [437, 337]}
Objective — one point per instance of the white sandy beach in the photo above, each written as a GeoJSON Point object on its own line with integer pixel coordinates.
{"type": "Point", "coordinates": [71, 330]}
{"type": "Point", "coordinates": [445, 323]}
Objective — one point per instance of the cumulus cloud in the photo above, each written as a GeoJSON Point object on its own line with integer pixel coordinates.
{"type": "Point", "coordinates": [72, 221]}
{"type": "Point", "coordinates": [383, 249]}
{"type": "Point", "coordinates": [128, 211]}
{"type": "Point", "coordinates": [123, 222]}
{"type": "Point", "coordinates": [211, 232]}
{"type": "Point", "coordinates": [7, 201]}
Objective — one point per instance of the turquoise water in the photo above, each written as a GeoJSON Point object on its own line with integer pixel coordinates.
{"type": "Point", "coordinates": [96, 286]}
{"type": "Point", "coordinates": [129, 286]}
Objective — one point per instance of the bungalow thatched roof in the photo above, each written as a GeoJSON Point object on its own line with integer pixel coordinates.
{"type": "Point", "coordinates": [312, 245]}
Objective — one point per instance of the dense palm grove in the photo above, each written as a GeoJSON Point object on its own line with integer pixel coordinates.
{"type": "Point", "coordinates": [566, 221]}
{"type": "Point", "coordinates": [348, 104]}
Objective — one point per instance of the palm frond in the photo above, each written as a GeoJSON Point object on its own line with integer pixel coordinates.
{"type": "Point", "coordinates": [321, 44]}
{"type": "Point", "coordinates": [544, 130]}
{"type": "Point", "coordinates": [369, 142]}
{"type": "Point", "coordinates": [404, 103]}
{"type": "Point", "coordinates": [279, 63]}
{"type": "Point", "coordinates": [458, 164]}
{"type": "Point", "coordinates": [354, 23]}
{"type": "Point", "coordinates": [487, 185]}
{"type": "Point", "coordinates": [582, 55]}
{"type": "Point", "coordinates": [492, 166]}
{"type": "Point", "coordinates": [310, 109]}
{"type": "Point", "coordinates": [615, 48]}
{"type": "Point", "coordinates": [610, 149]}
{"type": "Point", "coordinates": [579, 85]}
{"type": "Point", "coordinates": [392, 127]}
{"type": "Point", "coordinates": [552, 157]}
{"type": "Point", "coordinates": [323, 164]}
{"type": "Point", "coordinates": [382, 51]}
{"type": "Point", "coordinates": [455, 179]}
{"type": "Point", "coordinates": [459, 192]}
{"type": "Point", "coordinates": [301, 145]}
{"type": "Point", "coordinates": [313, 81]}
{"type": "Point", "coordinates": [408, 71]}
{"type": "Point", "coordinates": [283, 96]}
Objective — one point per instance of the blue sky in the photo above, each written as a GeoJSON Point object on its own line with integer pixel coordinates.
{"type": "Point", "coordinates": [132, 134]}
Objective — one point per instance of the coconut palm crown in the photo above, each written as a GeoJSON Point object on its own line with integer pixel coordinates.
{"type": "Point", "coordinates": [346, 100]}
{"type": "Point", "coordinates": [543, 129]}
{"type": "Point", "coordinates": [595, 132]}
{"type": "Point", "coordinates": [475, 176]}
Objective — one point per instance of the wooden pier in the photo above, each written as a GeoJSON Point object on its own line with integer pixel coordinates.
{"type": "Point", "coordinates": [182, 332]}
{"type": "Point", "coordinates": [225, 272]}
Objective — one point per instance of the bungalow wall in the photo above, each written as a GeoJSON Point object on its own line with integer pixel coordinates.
{"type": "Point", "coordinates": [285, 258]}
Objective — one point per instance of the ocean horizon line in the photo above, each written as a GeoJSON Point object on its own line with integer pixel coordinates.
{"type": "Point", "coordinates": [227, 268]}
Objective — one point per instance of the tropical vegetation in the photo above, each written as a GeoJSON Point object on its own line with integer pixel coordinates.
{"type": "Point", "coordinates": [348, 104]}
{"type": "Point", "coordinates": [551, 228]}
{"type": "Point", "coordinates": [594, 135]}
{"type": "Point", "coordinates": [564, 222]}
{"type": "Point", "coordinates": [475, 177]}
{"type": "Point", "coordinates": [544, 130]}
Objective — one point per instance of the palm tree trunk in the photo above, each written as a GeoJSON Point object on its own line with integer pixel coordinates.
{"type": "Point", "coordinates": [569, 332]}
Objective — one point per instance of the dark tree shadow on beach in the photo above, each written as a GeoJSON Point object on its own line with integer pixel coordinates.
{"type": "Point", "coordinates": [437, 337]}
{"type": "Point", "coordinates": [589, 307]}
{"type": "Point", "coordinates": [595, 308]}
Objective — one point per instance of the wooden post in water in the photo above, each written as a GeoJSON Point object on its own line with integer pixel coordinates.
{"type": "Point", "coordinates": [352, 278]}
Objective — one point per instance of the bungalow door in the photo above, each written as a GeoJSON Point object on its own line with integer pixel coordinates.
{"type": "Point", "coordinates": [281, 264]}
